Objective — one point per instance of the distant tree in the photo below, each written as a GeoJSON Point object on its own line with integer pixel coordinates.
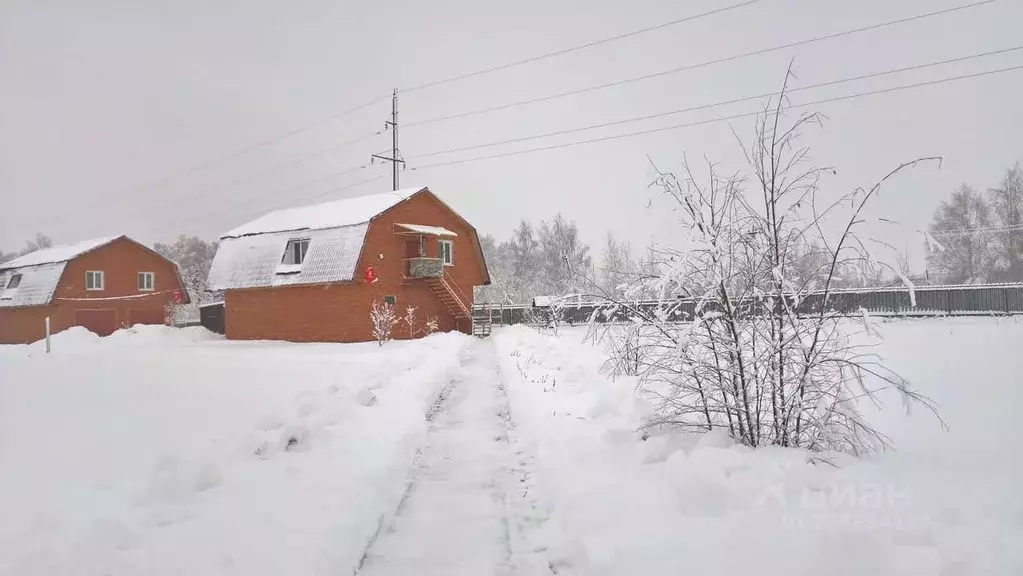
{"type": "Point", "coordinates": [1006, 203]}
{"type": "Point", "coordinates": [499, 264]}
{"type": "Point", "coordinates": [617, 268]}
{"type": "Point", "coordinates": [565, 257]}
{"type": "Point", "coordinates": [526, 262]}
{"type": "Point", "coordinates": [41, 241]}
{"type": "Point", "coordinates": [961, 228]}
{"type": "Point", "coordinates": [194, 257]}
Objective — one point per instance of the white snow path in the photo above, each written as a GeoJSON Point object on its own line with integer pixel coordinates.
{"type": "Point", "coordinates": [468, 499]}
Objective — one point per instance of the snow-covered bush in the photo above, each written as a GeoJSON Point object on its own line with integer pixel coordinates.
{"type": "Point", "coordinates": [764, 353]}
{"type": "Point", "coordinates": [384, 319]}
{"type": "Point", "coordinates": [409, 319]}
{"type": "Point", "coordinates": [431, 325]}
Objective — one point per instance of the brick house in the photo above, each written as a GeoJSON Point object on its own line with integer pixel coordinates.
{"type": "Point", "coordinates": [312, 273]}
{"type": "Point", "coordinates": [102, 284]}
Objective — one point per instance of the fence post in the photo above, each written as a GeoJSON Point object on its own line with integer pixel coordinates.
{"type": "Point", "coordinates": [47, 334]}
{"type": "Point", "coordinates": [1005, 300]}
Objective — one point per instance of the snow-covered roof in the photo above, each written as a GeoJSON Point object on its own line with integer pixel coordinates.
{"type": "Point", "coordinates": [255, 261]}
{"type": "Point", "coordinates": [54, 254]}
{"type": "Point", "coordinates": [346, 212]}
{"type": "Point", "coordinates": [431, 230]}
{"type": "Point", "coordinates": [36, 286]}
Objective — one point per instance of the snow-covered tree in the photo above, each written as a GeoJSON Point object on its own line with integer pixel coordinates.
{"type": "Point", "coordinates": [384, 318]}
{"type": "Point", "coordinates": [962, 227]}
{"type": "Point", "coordinates": [617, 268]}
{"type": "Point", "coordinates": [565, 257]}
{"type": "Point", "coordinates": [764, 351]}
{"type": "Point", "coordinates": [194, 257]}
{"type": "Point", "coordinates": [431, 325]}
{"type": "Point", "coordinates": [1006, 202]}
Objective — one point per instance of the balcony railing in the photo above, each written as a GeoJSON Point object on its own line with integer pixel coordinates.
{"type": "Point", "coordinates": [425, 268]}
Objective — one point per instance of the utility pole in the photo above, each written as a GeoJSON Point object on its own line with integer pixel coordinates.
{"type": "Point", "coordinates": [395, 157]}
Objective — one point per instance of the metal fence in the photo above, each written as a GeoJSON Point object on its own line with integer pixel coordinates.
{"type": "Point", "coordinates": [957, 300]}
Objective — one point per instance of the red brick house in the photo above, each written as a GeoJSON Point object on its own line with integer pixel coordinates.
{"type": "Point", "coordinates": [102, 284]}
{"type": "Point", "coordinates": [312, 273]}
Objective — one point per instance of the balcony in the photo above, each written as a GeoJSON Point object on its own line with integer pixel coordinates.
{"type": "Point", "coordinates": [424, 268]}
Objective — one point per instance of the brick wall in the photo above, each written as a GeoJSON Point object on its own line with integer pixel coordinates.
{"type": "Point", "coordinates": [120, 261]}
{"type": "Point", "coordinates": [341, 312]}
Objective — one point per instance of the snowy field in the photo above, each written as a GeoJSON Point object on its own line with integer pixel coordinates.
{"type": "Point", "coordinates": [162, 451]}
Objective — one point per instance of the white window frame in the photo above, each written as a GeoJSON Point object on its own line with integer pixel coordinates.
{"type": "Point", "coordinates": [11, 281]}
{"type": "Point", "coordinates": [152, 281]}
{"type": "Point", "coordinates": [289, 248]}
{"type": "Point", "coordinates": [95, 274]}
{"type": "Point", "coordinates": [447, 257]}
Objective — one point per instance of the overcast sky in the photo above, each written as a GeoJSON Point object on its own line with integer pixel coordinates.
{"type": "Point", "coordinates": [106, 106]}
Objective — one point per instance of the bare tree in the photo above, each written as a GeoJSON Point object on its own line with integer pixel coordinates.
{"type": "Point", "coordinates": [766, 352]}
{"type": "Point", "coordinates": [961, 226]}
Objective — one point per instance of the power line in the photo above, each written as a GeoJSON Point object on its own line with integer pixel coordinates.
{"type": "Point", "coordinates": [719, 119]}
{"type": "Point", "coordinates": [206, 192]}
{"type": "Point", "coordinates": [293, 132]}
{"type": "Point", "coordinates": [981, 230]}
{"type": "Point", "coordinates": [698, 65]}
{"type": "Point", "coordinates": [224, 158]}
{"type": "Point", "coordinates": [578, 47]}
{"type": "Point", "coordinates": [716, 104]}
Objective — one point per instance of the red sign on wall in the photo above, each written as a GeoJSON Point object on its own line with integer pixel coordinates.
{"type": "Point", "coordinates": [371, 275]}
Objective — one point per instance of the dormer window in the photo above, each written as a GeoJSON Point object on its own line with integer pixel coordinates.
{"type": "Point", "coordinates": [295, 252]}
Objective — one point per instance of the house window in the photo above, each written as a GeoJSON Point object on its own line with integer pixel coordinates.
{"type": "Point", "coordinates": [447, 252]}
{"type": "Point", "coordinates": [15, 281]}
{"type": "Point", "coordinates": [94, 280]}
{"type": "Point", "coordinates": [295, 252]}
{"type": "Point", "coordinates": [390, 300]}
{"type": "Point", "coordinates": [146, 281]}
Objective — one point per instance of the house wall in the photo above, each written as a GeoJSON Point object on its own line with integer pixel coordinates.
{"type": "Point", "coordinates": [120, 261]}
{"type": "Point", "coordinates": [24, 325]}
{"type": "Point", "coordinates": [341, 312]}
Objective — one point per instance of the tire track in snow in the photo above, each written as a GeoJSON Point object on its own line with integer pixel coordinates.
{"type": "Point", "coordinates": [468, 498]}
{"type": "Point", "coordinates": [436, 407]}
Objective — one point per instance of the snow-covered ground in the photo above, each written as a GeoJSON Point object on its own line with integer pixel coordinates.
{"type": "Point", "coordinates": [163, 451]}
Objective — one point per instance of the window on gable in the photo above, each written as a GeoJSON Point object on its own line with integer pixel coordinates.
{"type": "Point", "coordinates": [146, 281]}
{"type": "Point", "coordinates": [94, 280]}
{"type": "Point", "coordinates": [295, 251]}
{"type": "Point", "coordinates": [447, 252]}
{"type": "Point", "coordinates": [14, 282]}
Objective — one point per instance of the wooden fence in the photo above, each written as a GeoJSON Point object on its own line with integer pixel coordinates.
{"type": "Point", "coordinates": [958, 300]}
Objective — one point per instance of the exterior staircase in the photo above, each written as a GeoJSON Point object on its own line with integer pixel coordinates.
{"type": "Point", "coordinates": [445, 293]}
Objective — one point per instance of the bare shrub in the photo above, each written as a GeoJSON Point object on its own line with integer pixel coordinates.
{"type": "Point", "coordinates": [763, 349]}
{"type": "Point", "coordinates": [384, 319]}
{"type": "Point", "coordinates": [409, 319]}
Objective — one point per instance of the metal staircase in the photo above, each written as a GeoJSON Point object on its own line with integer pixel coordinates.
{"type": "Point", "coordinates": [445, 293]}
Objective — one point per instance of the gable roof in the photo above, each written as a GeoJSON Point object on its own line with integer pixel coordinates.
{"type": "Point", "coordinates": [55, 254]}
{"type": "Point", "coordinates": [336, 214]}
{"type": "Point", "coordinates": [41, 271]}
{"type": "Point", "coordinates": [249, 256]}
